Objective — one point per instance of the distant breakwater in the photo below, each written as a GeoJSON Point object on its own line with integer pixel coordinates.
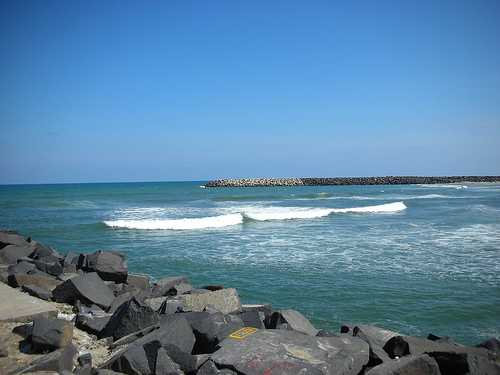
{"type": "Point", "coordinates": [318, 181]}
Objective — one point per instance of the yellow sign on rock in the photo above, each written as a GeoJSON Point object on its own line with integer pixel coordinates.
{"type": "Point", "coordinates": [243, 333]}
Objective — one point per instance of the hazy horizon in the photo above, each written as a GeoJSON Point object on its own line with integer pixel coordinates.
{"type": "Point", "coordinates": [183, 91]}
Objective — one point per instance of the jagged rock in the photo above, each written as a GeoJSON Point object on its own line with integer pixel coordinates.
{"type": "Point", "coordinates": [120, 300]}
{"type": "Point", "coordinates": [208, 368]}
{"type": "Point", "coordinates": [56, 361]}
{"type": "Point", "coordinates": [88, 287]}
{"type": "Point", "coordinates": [293, 320]}
{"type": "Point", "coordinates": [155, 303]}
{"type": "Point", "coordinates": [109, 265]}
{"type": "Point", "coordinates": [162, 287]}
{"type": "Point", "coordinates": [23, 267]}
{"type": "Point", "coordinates": [165, 365]}
{"type": "Point", "coordinates": [174, 330]}
{"type": "Point", "coordinates": [252, 318]}
{"type": "Point", "coordinates": [92, 324]}
{"type": "Point", "coordinates": [38, 292]}
{"type": "Point", "coordinates": [376, 338]}
{"type": "Point", "coordinates": [289, 352]}
{"type": "Point", "coordinates": [10, 254]}
{"type": "Point", "coordinates": [130, 317]}
{"type": "Point", "coordinates": [171, 306]}
{"type": "Point", "coordinates": [492, 344]}
{"type": "Point", "coordinates": [50, 265]}
{"type": "Point", "coordinates": [42, 251]}
{"type": "Point", "coordinates": [12, 238]}
{"type": "Point", "coordinates": [210, 329]}
{"type": "Point", "coordinates": [134, 336]}
{"type": "Point", "coordinates": [133, 360]}
{"type": "Point", "coordinates": [138, 281]}
{"type": "Point", "coordinates": [50, 334]}
{"type": "Point", "coordinates": [410, 365]}
{"type": "Point", "coordinates": [186, 361]}
{"type": "Point", "coordinates": [226, 300]}
{"type": "Point", "coordinates": [43, 281]}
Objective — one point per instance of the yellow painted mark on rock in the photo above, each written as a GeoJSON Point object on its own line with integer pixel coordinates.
{"type": "Point", "coordinates": [243, 333]}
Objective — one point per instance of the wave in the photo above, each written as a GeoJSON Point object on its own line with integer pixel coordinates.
{"type": "Point", "coordinates": [254, 214]}
{"type": "Point", "coordinates": [453, 186]}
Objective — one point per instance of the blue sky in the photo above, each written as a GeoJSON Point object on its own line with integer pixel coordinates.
{"type": "Point", "coordinates": [180, 90]}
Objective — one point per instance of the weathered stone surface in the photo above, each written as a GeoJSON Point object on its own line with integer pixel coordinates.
{"type": "Point", "coordinates": [43, 281]}
{"type": "Point", "coordinates": [162, 287]}
{"type": "Point", "coordinates": [165, 365]}
{"type": "Point", "coordinates": [23, 267]}
{"type": "Point", "coordinates": [88, 287]}
{"type": "Point", "coordinates": [174, 330]}
{"type": "Point", "coordinates": [50, 265]}
{"type": "Point", "coordinates": [92, 324]}
{"type": "Point", "coordinates": [374, 335]}
{"type": "Point", "coordinates": [292, 320]}
{"type": "Point", "coordinates": [226, 301]}
{"type": "Point", "coordinates": [410, 365]}
{"type": "Point", "coordinates": [38, 292]}
{"type": "Point", "coordinates": [210, 329]}
{"type": "Point", "coordinates": [132, 360]}
{"type": "Point", "coordinates": [186, 361]}
{"type": "Point", "coordinates": [130, 317]}
{"type": "Point", "coordinates": [252, 318]}
{"type": "Point", "coordinates": [109, 265]}
{"type": "Point", "coordinates": [138, 281]}
{"type": "Point", "coordinates": [50, 334]}
{"type": "Point", "coordinates": [42, 251]}
{"type": "Point", "coordinates": [492, 344]}
{"type": "Point", "coordinates": [12, 238]}
{"type": "Point", "coordinates": [18, 306]}
{"type": "Point", "coordinates": [120, 300]}
{"type": "Point", "coordinates": [56, 361]}
{"type": "Point", "coordinates": [155, 303]}
{"type": "Point", "coordinates": [10, 254]}
{"type": "Point", "coordinates": [125, 340]}
{"type": "Point", "coordinates": [171, 306]}
{"type": "Point", "coordinates": [289, 352]}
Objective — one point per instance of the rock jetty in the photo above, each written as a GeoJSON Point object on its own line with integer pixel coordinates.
{"type": "Point", "coordinates": [318, 181]}
{"type": "Point", "coordinates": [110, 321]}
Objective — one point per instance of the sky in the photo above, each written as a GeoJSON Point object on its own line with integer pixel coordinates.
{"type": "Point", "coordinates": [104, 91]}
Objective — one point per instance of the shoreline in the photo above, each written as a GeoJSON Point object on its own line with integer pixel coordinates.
{"type": "Point", "coordinates": [325, 181]}
{"type": "Point", "coordinates": [86, 314]}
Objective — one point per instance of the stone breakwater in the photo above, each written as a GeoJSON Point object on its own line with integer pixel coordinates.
{"type": "Point", "coordinates": [109, 321]}
{"type": "Point", "coordinates": [318, 181]}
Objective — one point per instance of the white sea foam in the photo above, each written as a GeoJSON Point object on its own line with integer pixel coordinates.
{"type": "Point", "coordinates": [252, 213]}
{"type": "Point", "coordinates": [453, 186]}
{"type": "Point", "coordinates": [179, 224]}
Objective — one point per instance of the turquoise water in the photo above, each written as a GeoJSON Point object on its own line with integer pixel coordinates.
{"type": "Point", "coordinates": [424, 259]}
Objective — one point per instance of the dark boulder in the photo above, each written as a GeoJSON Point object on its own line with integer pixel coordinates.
{"type": "Point", "coordinates": [210, 329]}
{"type": "Point", "coordinates": [376, 338]}
{"type": "Point", "coordinates": [125, 340]}
{"type": "Point", "coordinates": [92, 324]}
{"type": "Point", "coordinates": [165, 365]}
{"type": "Point", "coordinates": [252, 318]}
{"type": "Point", "coordinates": [23, 267]}
{"type": "Point", "coordinates": [12, 238]}
{"type": "Point", "coordinates": [186, 361]}
{"type": "Point", "coordinates": [120, 300]}
{"type": "Point", "coordinates": [133, 360]}
{"type": "Point", "coordinates": [292, 320]}
{"type": "Point", "coordinates": [492, 344]}
{"type": "Point", "coordinates": [163, 286]}
{"type": "Point", "coordinates": [50, 334]}
{"type": "Point", "coordinates": [109, 265]}
{"type": "Point", "coordinates": [50, 265]}
{"type": "Point", "coordinates": [89, 288]}
{"type": "Point", "coordinates": [40, 280]}
{"type": "Point", "coordinates": [410, 365]}
{"type": "Point", "coordinates": [10, 254]}
{"type": "Point", "coordinates": [171, 306]}
{"type": "Point", "coordinates": [289, 352]}
{"type": "Point", "coordinates": [38, 292]}
{"type": "Point", "coordinates": [130, 317]}
{"type": "Point", "coordinates": [41, 251]}
{"type": "Point", "coordinates": [57, 361]}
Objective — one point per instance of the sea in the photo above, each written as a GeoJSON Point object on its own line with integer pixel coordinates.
{"type": "Point", "coordinates": [417, 259]}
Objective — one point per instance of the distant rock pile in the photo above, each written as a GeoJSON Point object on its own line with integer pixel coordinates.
{"type": "Point", "coordinates": [171, 327]}
{"type": "Point", "coordinates": [317, 181]}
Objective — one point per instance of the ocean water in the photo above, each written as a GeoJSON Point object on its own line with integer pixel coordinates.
{"type": "Point", "coordinates": [416, 258]}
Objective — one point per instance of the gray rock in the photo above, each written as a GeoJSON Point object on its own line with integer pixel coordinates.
{"type": "Point", "coordinates": [252, 318]}
{"type": "Point", "coordinates": [186, 361]}
{"type": "Point", "coordinates": [92, 324]}
{"type": "Point", "coordinates": [226, 300]}
{"type": "Point", "coordinates": [12, 238]}
{"type": "Point", "coordinates": [130, 317]}
{"type": "Point", "coordinates": [210, 329]}
{"type": "Point", "coordinates": [89, 288]}
{"type": "Point", "coordinates": [162, 287]}
{"type": "Point", "coordinates": [10, 254]}
{"type": "Point", "coordinates": [165, 365]}
{"type": "Point", "coordinates": [155, 303]}
{"type": "Point", "coordinates": [109, 265]}
{"type": "Point", "coordinates": [23, 267]}
{"type": "Point", "coordinates": [50, 334]}
{"type": "Point", "coordinates": [179, 289]}
{"type": "Point", "coordinates": [43, 281]}
{"type": "Point", "coordinates": [492, 344]}
{"type": "Point", "coordinates": [56, 361]}
{"type": "Point", "coordinates": [38, 292]}
{"type": "Point", "coordinates": [171, 306]}
{"type": "Point", "coordinates": [120, 300]}
{"type": "Point", "coordinates": [42, 251]}
{"type": "Point", "coordinates": [133, 360]}
{"type": "Point", "coordinates": [289, 352]}
{"type": "Point", "coordinates": [374, 335]}
{"type": "Point", "coordinates": [294, 321]}
{"type": "Point", "coordinates": [208, 368]}
{"type": "Point", "coordinates": [125, 340]}
{"type": "Point", "coordinates": [410, 365]}
{"type": "Point", "coordinates": [50, 265]}
{"type": "Point", "coordinates": [138, 281]}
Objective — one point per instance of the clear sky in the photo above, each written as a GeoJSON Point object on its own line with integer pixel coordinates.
{"type": "Point", "coordinates": [181, 90]}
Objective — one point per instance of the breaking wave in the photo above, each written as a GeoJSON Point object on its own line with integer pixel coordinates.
{"type": "Point", "coordinates": [255, 214]}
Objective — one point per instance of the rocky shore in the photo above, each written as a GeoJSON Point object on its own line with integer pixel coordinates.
{"type": "Point", "coordinates": [319, 181]}
{"type": "Point", "coordinates": [97, 318]}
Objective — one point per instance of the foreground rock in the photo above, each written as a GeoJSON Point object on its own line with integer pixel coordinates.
{"type": "Point", "coordinates": [288, 352]}
{"type": "Point", "coordinates": [109, 265]}
{"type": "Point", "coordinates": [50, 334]}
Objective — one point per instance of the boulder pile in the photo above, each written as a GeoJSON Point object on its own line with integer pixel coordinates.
{"type": "Point", "coordinates": [170, 327]}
